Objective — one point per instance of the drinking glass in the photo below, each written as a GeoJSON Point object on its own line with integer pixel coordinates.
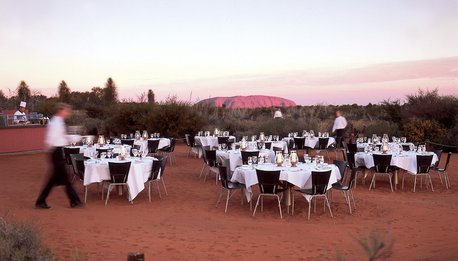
{"type": "Point", "coordinates": [144, 153]}
{"type": "Point", "coordinates": [249, 161]}
{"type": "Point", "coordinates": [224, 146]}
{"type": "Point", "coordinates": [110, 154]}
{"type": "Point", "coordinates": [135, 152]}
{"type": "Point", "coordinates": [103, 155]}
{"type": "Point", "coordinates": [254, 159]}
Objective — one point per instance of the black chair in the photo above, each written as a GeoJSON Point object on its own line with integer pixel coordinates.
{"type": "Point", "coordinates": [191, 143]}
{"type": "Point", "coordinates": [405, 147]}
{"type": "Point", "coordinates": [382, 167]}
{"type": "Point", "coordinates": [119, 173]}
{"type": "Point", "coordinates": [222, 140]}
{"type": "Point", "coordinates": [342, 166]}
{"type": "Point", "coordinates": [443, 171]}
{"type": "Point", "coordinates": [153, 146]}
{"type": "Point", "coordinates": [211, 163]}
{"type": "Point", "coordinates": [169, 151]}
{"type": "Point", "coordinates": [129, 142]}
{"type": "Point", "coordinates": [423, 168]}
{"type": "Point", "coordinates": [229, 186]}
{"type": "Point", "coordinates": [100, 151]}
{"type": "Point", "coordinates": [268, 145]}
{"type": "Point", "coordinates": [299, 143]}
{"type": "Point", "coordinates": [155, 175]}
{"type": "Point", "coordinates": [269, 186]}
{"type": "Point", "coordinates": [247, 154]}
{"type": "Point", "coordinates": [352, 165]}
{"type": "Point", "coordinates": [163, 165]}
{"type": "Point", "coordinates": [347, 189]}
{"type": "Point", "coordinates": [438, 153]}
{"type": "Point", "coordinates": [352, 147]}
{"type": "Point", "coordinates": [69, 151]}
{"type": "Point", "coordinates": [322, 145]}
{"type": "Point", "coordinates": [78, 169]}
{"type": "Point", "coordinates": [275, 149]}
{"type": "Point", "coordinates": [320, 181]}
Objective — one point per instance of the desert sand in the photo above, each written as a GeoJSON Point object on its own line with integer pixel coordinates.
{"type": "Point", "coordinates": [186, 225]}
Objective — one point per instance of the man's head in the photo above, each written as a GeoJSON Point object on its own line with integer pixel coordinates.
{"type": "Point", "coordinates": [338, 113]}
{"type": "Point", "coordinates": [64, 110]}
{"type": "Point", "coordinates": [22, 106]}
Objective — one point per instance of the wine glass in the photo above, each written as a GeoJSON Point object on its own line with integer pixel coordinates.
{"type": "Point", "coordinates": [254, 159]}
{"type": "Point", "coordinates": [110, 154]}
{"type": "Point", "coordinates": [249, 161]}
{"type": "Point", "coordinates": [224, 146]}
{"type": "Point", "coordinates": [103, 155]}
{"type": "Point", "coordinates": [135, 152]}
{"type": "Point", "coordinates": [144, 153]}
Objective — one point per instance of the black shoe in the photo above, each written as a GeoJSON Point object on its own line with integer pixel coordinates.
{"type": "Point", "coordinates": [76, 205]}
{"type": "Point", "coordinates": [42, 205]}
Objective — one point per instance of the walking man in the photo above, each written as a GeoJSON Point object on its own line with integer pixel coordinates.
{"type": "Point", "coordinates": [55, 140]}
{"type": "Point", "coordinates": [340, 123]}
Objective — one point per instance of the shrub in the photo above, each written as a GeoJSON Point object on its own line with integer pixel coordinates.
{"type": "Point", "coordinates": [20, 241]}
{"type": "Point", "coordinates": [382, 127]}
{"type": "Point", "coordinates": [419, 130]}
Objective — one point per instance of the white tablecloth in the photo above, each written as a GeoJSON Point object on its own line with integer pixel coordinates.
{"type": "Point", "coordinates": [312, 142]}
{"type": "Point", "coordinates": [300, 176]}
{"type": "Point", "coordinates": [97, 171]}
{"type": "Point", "coordinates": [163, 142]}
{"type": "Point", "coordinates": [233, 158]}
{"type": "Point", "coordinates": [209, 140]}
{"type": "Point", "coordinates": [407, 160]}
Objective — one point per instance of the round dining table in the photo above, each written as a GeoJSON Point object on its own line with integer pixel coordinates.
{"type": "Point", "coordinates": [96, 171]}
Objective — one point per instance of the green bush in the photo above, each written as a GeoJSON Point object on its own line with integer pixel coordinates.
{"type": "Point", "coordinates": [20, 241]}
{"type": "Point", "coordinates": [420, 130]}
{"type": "Point", "coordinates": [382, 127]}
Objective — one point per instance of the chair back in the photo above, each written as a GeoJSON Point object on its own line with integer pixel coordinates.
{"type": "Point", "coordinates": [163, 160]}
{"type": "Point", "coordinates": [210, 157]}
{"type": "Point", "coordinates": [153, 145]}
{"type": "Point", "coordinates": [447, 161]}
{"type": "Point", "coordinates": [320, 181]}
{"type": "Point", "coordinates": [351, 159]}
{"type": "Point", "coordinates": [405, 147]}
{"type": "Point", "coordinates": [424, 163]}
{"type": "Point", "coordinates": [172, 145]}
{"type": "Point", "coordinates": [268, 144]}
{"type": "Point", "coordinates": [438, 154]}
{"type": "Point", "coordinates": [68, 152]}
{"type": "Point", "coordinates": [342, 166]}
{"type": "Point", "coordinates": [127, 142]}
{"type": "Point", "coordinates": [155, 168]}
{"type": "Point", "coordinates": [275, 149]}
{"type": "Point", "coordinates": [246, 154]}
{"type": "Point", "coordinates": [352, 180]}
{"type": "Point", "coordinates": [222, 140]}
{"type": "Point", "coordinates": [382, 162]}
{"type": "Point", "coordinates": [299, 143]}
{"type": "Point", "coordinates": [268, 181]}
{"type": "Point", "coordinates": [223, 176]}
{"type": "Point", "coordinates": [352, 147]}
{"type": "Point", "coordinates": [323, 143]}
{"type": "Point", "coordinates": [190, 140]}
{"type": "Point", "coordinates": [99, 151]}
{"type": "Point", "coordinates": [119, 171]}
{"type": "Point", "coordinates": [78, 165]}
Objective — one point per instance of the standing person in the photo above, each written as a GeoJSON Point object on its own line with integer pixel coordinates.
{"type": "Point", "coordinates": [19, 115]}
{"type": "Point", "coordinates": [55, 140]}
{"type": "Point", "coordinates": [278, 114]}
{"type": "Point", "coordinates": [340, 123]}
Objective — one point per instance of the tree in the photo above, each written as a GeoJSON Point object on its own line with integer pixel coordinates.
{"type": "Point", "coordinates": [151, 97]}
{"type": "Point", "coordinates": [64, 92]}
{"type": "Point", "coordinates": [110, 93]}
{"type": "Point", "coordinates": [3, 100]}
{"type": "Point", "coordinates": [23, 91]}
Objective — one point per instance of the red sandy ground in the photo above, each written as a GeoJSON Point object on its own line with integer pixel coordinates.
{"type": "Point", "coordinates": [185, 225]}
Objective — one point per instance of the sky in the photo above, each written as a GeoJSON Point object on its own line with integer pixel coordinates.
{"type": "Point", "coordinates": [334, 52]}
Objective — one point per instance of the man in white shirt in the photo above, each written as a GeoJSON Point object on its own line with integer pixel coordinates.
{"type": "Point", "coordinates": [340, 123]}
{"type": "Point", "coordinates": [55, 140]}
{"type": "Point", "coordinates": [278, 114]}
{"type": "Point", "coordinates": [19, 115]}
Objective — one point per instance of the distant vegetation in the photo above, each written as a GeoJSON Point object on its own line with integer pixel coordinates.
{"type": "Point", "coordinates": [425, 115]}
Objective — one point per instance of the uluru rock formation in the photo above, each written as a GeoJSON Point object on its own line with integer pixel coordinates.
{"type": "Point", "coordinates": [252, 101]}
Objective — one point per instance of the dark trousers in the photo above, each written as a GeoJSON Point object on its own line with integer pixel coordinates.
{"type": "Point", "coordinates": [339, 137]}
{"type": "Point", "coordinates": [58, 177]}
